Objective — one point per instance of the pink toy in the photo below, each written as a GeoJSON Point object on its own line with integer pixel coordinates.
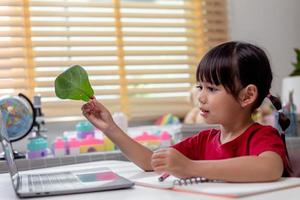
{"type": "Point", "coordinates": [59, 147]}
{"type": "Point", "coordinates": [166, 139]}
{"type": "Point", "coordinates": [151, 141]}
{"type": "Point", "coordinates": [84, 134]}
{"type": "Point", "coordinates": [74, 146]}
{"type": "Point", "coordinates": [145, 137]}
{"type": "Point", "coordinates": [91, 144]}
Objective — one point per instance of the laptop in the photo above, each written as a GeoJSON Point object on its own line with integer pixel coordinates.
{"type": "Point", "coordinates": [58, 182]}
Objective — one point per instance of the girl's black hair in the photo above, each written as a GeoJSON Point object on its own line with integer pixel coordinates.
{"type": "Point", "coordinates": [236, 65]}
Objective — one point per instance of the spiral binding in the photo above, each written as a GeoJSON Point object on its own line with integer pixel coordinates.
{"type": "Point", "coordinates": [192, 180]}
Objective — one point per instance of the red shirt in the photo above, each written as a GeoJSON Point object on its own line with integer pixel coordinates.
{"type": "Point", "coordinates": [254, 141]}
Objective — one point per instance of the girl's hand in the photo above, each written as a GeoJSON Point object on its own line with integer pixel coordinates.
{"type": "Point", "coordinates": [171, 161]}
{"type": "Point", "coordinates": [98, 115]}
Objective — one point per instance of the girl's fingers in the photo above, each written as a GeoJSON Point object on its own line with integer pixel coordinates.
{"type": "Point", "coordinates": [161, 153]}
{"type": "Point", "coordinates": [157, 163]}
{"type": "Point", "coordinates": [86, 109]}
{"type": "Point", "coordinates": [159, 168]}
{"type": "Point", "coordinates": [158, 159]}
{"type": "Point", "coordinates": [99, 105]}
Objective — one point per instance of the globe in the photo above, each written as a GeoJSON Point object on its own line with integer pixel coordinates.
{"type": "Point", "coordinates": [18, 113]}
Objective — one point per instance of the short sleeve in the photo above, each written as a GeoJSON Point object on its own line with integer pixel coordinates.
{"type": "Point", "coordinates": [268, 139]}
{"type": "Point", "coordinates": [191, 147]}
{"type": "Point", "coordinates": [186, 146]}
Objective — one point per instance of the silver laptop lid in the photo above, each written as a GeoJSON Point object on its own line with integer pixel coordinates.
{"type": "Point", "coordinates": [8, 152]}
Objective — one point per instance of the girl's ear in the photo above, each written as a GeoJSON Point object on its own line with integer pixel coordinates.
{"type": "Point", "coordinates": [248, 95]}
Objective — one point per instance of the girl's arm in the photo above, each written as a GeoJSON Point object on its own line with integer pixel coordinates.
{"type": "Point", "coordinates": [133, 150]}
{"type": "Point", "coordinates": [101, 118]}
{"type": "Point", "coordinates": [268, 166]}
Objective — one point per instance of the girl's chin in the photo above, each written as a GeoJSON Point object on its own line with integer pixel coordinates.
{"type": "Point", "coordinates": [210, 121]}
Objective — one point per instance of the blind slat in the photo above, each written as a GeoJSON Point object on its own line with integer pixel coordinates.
{"type": "Point", "coordinates": [36, 13]}
{"type": "Point", "coordinates": [12, 73]}
{"type": "Point", "coordinates": [99, 53]}
{"type": "Point", "coordinates": [92, 4]}
{"type": "Point", "coordinates": [131, 62]}
{"type": "Point", "coordinates": [161, 71]}
{"type": "Point", "coordinates": [99, 92]}
{"type": "Point", "coordinates": [14, 53]}
{"type": "Point", "coordinates": [151, 101]}
{"type": "Point", "coordinates": [102, 33]}
{"type": "Point", "coordinates": [12, 63]}
{"type": "Point", "coordinates": [103, 43]}
{"type": "Point", "coordinates": [76, 104]}
{"type": "Point", "coordinates": [186, 15]}
{"type": "Point", "coordinates": [11, 22]}
{"type": "Point", "coordinates": [11, 44]}
{"type": "Point", "coordinates": [16, 83]}
{"type": "Point", "coordinates": [50, 83]}
{"type": "Point", "coordinates": [47, 73]}
{"type": "Point", "coordinates": [141, 5]}
{"type": "Point", "coordinates": [157, 90]}
{"type": "Point", "coordinates": [161, 80]}
{"type": "Point", "coordinates": [71, 63]}
{"type": "Point", "coordinates": [74, 53]}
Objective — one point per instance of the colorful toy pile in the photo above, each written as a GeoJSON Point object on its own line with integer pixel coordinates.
{"type": "Point", "coordinates": [84, 140]}
{"type": "Point", "coordinates": [154, 141]}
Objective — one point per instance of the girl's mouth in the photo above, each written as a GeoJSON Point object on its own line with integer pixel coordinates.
{"type": "Point", "coordinates": [203, 112]}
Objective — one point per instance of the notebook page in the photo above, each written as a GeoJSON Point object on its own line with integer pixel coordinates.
{"type": "Point", "coordinates": [238, 189]}
{"type": "Point", "coordinates": [150, 179]}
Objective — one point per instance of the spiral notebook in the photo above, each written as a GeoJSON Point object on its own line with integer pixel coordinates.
{"type": "Point", "coordinates": [215, 188]}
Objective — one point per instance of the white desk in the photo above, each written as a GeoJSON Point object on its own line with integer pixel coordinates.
{"type": "Point", "coordinates": [127, 170]}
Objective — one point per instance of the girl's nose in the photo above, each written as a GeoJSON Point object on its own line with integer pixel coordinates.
{"type": "Point", "coordinates": [201, 97]}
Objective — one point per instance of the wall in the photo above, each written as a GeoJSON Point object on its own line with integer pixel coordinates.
{"type": "Point", "coordinates": [273, 25]}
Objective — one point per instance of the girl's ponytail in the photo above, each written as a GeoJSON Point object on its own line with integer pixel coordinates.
{"type": "Point", "coordinates": [283, 122]}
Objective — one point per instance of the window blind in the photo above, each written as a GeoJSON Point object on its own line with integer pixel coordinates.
{"type": "Point", "coordinates": [16, 67]}
{"type": "Point", "coordinates": [141, 56]}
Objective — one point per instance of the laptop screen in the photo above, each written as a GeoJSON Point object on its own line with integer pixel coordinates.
{"type": "Point", "coordinates": [8, 152]}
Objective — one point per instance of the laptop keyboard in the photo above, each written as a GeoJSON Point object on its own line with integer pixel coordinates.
{"type": "Point", "coordinates": [57, 181]}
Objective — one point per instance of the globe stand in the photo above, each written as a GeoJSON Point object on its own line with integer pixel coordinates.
{"type": "Point", "coordinates": [17, 155]}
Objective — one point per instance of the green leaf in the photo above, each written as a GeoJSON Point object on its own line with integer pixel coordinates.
{"type": "Point", "coordinates": [73, 84]}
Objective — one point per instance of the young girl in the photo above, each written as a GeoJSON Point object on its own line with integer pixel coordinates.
{"type": "Point", "coordinates": [233, 80]}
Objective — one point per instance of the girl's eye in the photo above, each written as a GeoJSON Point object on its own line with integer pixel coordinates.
{"type": "Point", "coordinates": [200, 87]}
{"type": "Point", "coordinates": [212, 89]}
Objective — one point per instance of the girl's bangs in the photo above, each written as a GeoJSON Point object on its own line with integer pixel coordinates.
{"type": "Point", "coordinates": [216, 69]}
{"type": "Point", "coordinates": [219, 67]}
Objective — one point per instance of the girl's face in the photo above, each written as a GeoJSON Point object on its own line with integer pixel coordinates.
{"type": "Point", "coordinates": [216, 105]}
